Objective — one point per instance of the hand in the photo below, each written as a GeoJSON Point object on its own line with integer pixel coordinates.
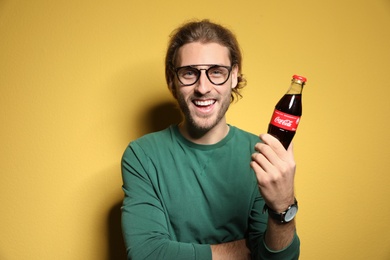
{"type": "Point", "coordinates": [275, 171]}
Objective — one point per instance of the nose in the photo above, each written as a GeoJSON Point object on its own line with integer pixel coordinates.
{"type": "Point", "coordinates": [203, 85]}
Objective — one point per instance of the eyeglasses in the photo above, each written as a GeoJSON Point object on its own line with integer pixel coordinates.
{"type": "Point", "coordinates": [189, 75]}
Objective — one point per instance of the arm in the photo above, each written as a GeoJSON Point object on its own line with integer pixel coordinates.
{"type": "Point", "coordinates": [145, 224]}
{"type": "Point", "coordinates": [236, 250]}
{"type": "Point", "coordinates": [275, 170]}
{"type": "Point", "coordinates": [279, 236]}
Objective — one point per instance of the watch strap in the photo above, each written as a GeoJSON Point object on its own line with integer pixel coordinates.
{"type": "Point", "coordinates": [279, 216]}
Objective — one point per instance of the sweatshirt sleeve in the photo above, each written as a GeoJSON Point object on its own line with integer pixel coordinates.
{"type": "Point", "coordinates": [291, 252]}
{"type": "Point", "coordinates": [145, 223]}
{"type": "Point", "coordinates": [257, 229]}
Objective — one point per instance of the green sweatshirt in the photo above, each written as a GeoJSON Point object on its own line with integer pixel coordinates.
{"type": "Point", "coordinates": [181, 197]}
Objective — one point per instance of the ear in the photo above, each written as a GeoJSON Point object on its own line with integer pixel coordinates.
{"type": "Point", "coordinates": [234, 76]}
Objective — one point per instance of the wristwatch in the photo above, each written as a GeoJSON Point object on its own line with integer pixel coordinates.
{"type": "Point", "coordinates": [285, 216]}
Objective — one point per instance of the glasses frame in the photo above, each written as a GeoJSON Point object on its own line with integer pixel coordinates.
{"type": "Point", "coordinates": [229, 68]}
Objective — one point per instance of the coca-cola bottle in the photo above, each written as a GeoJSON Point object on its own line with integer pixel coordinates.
{"type": "Point", "coordinates": [287, 113]}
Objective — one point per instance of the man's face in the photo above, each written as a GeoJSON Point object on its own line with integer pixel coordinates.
{"type": "Point", "coordinates": [204, 104]}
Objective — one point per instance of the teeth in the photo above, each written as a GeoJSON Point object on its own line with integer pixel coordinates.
{"type": "Point", "coordinates": [204, 103]}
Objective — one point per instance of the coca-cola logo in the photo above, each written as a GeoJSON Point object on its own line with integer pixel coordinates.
{"type": "Point", "coordinates": [284, 122]}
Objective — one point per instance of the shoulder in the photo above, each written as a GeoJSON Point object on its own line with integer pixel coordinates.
{"type": "Point", "coordinates": [242, 135]}
{"type": "Point", "coordinates": [152, 142]}
{"type": "Point", "coordinates": [156, 137]}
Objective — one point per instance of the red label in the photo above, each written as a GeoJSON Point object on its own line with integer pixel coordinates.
{"type": "Point", "coordinates": [285, 121]}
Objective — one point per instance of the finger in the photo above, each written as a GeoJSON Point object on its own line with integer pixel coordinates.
{"type": "Point", "coordinates": [264, 157]}
{"type": "Point", "coordinates": [276, 146]}
{"type": "Point", "coordinates": [272, 141]}
{"type": "Point", "coordinates": [271, 148]}
{"type": "Point", "coordinates": [278, 163]}
{"type": "Point", "coordinates": [290, 150]}
{"type": "Point", "coordinates": [261, 176]}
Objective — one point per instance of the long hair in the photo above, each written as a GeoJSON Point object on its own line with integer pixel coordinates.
{"type": "Point", "coordinates": [203, 31]}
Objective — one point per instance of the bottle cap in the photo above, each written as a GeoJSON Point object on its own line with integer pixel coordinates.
{"type": "Point", "coordinates": [303, 79]}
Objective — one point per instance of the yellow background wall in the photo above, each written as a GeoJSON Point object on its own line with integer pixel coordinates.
{"type": "Point", "coordinates": [80, 79]}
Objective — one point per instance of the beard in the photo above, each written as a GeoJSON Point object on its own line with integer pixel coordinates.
{"type": "Point", "coordinates": [199, 124]}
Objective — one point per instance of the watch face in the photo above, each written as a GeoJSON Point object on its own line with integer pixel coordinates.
{"type": "Point", "coordinates": [290, 214]}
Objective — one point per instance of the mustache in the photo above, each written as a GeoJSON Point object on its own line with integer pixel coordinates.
{"type": "Point", "coordinates": [203, 96]}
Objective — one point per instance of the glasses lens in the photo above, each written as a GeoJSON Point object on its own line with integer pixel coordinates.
{"type": "Point", "coordinates": [188, 75]}
{"type": "Point", "coordinates": [218, 74]}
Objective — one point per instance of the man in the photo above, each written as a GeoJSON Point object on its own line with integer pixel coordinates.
{"type": "Point", "coordinates": [198, 190]}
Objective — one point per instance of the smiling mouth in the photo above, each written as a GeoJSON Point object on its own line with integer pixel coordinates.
{"type": "Point", "coordinates": [204, 103]}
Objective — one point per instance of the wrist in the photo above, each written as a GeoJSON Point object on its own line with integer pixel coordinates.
{"type": "Point", "coordinates": [283, 216]}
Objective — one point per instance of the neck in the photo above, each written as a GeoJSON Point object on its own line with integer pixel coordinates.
{"type": "Point", "coordinates": [204, 136]}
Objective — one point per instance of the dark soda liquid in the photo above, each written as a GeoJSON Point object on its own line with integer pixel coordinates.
{"type": "Point", "coordinates": [290, 104]}
{"type": "Point", "coordinates": [284, 136]}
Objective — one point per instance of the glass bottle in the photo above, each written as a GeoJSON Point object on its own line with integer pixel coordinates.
{"type": "Point", "coordinates": [288, 111]}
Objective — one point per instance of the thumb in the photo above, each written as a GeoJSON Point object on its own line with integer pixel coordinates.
{"type": "Point", "coordinates": [290, 149]}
